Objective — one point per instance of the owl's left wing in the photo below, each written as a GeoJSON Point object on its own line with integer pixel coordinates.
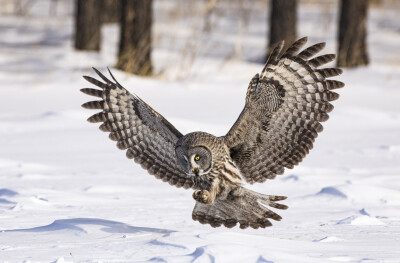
{"type": "Point", "coordinates": [146, 135]}
{"type": "Point", "coordinates": [283, 111]}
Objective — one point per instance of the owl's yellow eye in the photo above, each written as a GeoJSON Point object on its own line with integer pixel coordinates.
{"type": "Point", "coordinates": [196, 158]}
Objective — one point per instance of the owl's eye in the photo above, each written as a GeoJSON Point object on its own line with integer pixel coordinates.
{"type": "Point", "coordinates": [196, 158]}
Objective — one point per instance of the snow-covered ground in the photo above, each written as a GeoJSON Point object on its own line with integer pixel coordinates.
{"type": "Point", "coordinates": [68, 194]}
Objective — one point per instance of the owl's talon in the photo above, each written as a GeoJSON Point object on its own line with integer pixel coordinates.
{"type": "Point", "coordinates": [202, 196]}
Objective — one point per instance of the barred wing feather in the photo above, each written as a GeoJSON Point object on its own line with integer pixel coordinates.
{"type": "Point", "coordinates": [147, 137]}
{"type": "Point", "coordinates": [283, 110]}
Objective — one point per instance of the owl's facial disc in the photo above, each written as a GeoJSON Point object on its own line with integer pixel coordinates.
{"type": "Point", "coordinates": [195, 161]}
{"type": "Point", "coordinates": [200, 160]}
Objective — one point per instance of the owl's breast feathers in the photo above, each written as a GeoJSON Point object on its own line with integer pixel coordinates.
{"type": "Point", "coordinates": [224, 169]}
{"type": "Point", "coordinates": [223, 178]}
{"type": "Point", "coordinates": [222, 175]}
{"type": "Point", "coordinates": [229, 173]}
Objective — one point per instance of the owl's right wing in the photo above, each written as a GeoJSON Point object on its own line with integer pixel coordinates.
{"type": "Point", "coordinates": [283, 111]}
{"type": "Point", "coordinates": [146, 135]}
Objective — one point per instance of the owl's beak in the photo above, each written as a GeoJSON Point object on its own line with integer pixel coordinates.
{"type": "Point", "coordinates": [196, 171]}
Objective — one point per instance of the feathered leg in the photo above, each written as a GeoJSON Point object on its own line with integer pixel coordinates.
{"type": "Point", "coordinates": [207, 196]}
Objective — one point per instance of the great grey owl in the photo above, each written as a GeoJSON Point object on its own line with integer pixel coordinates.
{"type": "Point", "coordinates": [276, 129]}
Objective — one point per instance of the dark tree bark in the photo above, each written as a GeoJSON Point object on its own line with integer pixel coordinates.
{"type": "Point", "coordinates": [135, 42]}
{"type": "Point", "coordinates": [283, 20]}
{"type": "Point", "coordinates": [111, 11]}
{"type": "Point", "coordinates": [352, 33]}
{"type": "Point", "coordinates": [87, 25]}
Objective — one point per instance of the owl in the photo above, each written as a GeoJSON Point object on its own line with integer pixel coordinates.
{"type": "Point", "coordinates": [276, 129]}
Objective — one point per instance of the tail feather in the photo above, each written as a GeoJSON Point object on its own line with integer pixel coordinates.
{"type": "Point", "coordinates": [241, 206]}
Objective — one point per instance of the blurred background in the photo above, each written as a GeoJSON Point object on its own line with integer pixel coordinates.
{"type": "Point", "coordinates": [64, 181]}
{"type": "Point", "coordinates": [172, 34]}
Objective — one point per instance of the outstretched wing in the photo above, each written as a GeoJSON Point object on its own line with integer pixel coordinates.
{"type": "Point", "coordinates": [146, 135]}
{"type": "Point", "coordinates": [242, 206]}
{"type": "Point", "coordinates": [283, 111]}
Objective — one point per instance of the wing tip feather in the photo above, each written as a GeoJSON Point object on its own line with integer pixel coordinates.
{"type": "Point", "coordinates": [98, 117]}
{"type": "Point", "coordinates": [112, 76]}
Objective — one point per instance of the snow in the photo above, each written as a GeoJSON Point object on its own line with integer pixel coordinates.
{"type": "Point", "coordinates": [67, 194]}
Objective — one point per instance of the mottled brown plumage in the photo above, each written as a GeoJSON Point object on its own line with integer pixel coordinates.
{"type": "Point", "coordinates": [276, 129]}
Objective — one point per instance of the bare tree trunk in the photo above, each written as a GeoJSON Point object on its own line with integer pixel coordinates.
{"type": "Point", "coordinates": [135, 41]}
{"type": "Point", "coordinates": [111, 11]}
{"type": "Point", "coordinates": [87, 25]}
{"type": "Point", "coordinates": [53, 8]}
{"type": "Point", "coordinates": [352, 34]}
{"type": "Point", "coordinates": [283, 20]}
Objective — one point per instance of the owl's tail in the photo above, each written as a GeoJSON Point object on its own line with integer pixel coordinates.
{"type": "Point", "coordinates": [243, 206]}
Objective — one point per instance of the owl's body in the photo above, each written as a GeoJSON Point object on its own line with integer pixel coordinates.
{"type": "Point", "coordinates": [222, 175]}
{"type": "Point", "coordinates": [276, 129]}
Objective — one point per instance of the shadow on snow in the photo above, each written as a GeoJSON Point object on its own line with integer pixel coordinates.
{"type": "Point", "coordinates": [75, 223]}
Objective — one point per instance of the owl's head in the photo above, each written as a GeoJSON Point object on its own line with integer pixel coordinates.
{"type": "Point", "coordinates": [195, 160]}
{"type": "Point", "coordinates": [194, 152]}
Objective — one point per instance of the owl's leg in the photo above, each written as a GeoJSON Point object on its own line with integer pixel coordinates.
{"type": "Point", "coordinates": [203, 196]}
{"type": "Point", "coordinates": [207, 196]}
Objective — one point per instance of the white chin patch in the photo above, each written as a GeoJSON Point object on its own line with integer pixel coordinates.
{"type": "Point", "coordinates": [201, 172]}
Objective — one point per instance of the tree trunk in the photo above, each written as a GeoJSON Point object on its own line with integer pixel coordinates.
{"type": "Point", "coordinates": [135, 42]}
{"type": "Point", "coordinates": [111, 11]}
{"type": "Point", "coordinates": [87, 25]}
{"type": "Point", "coordinates": [283, 18]}
{"type": "Point", "coordinates": [352, 34]}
